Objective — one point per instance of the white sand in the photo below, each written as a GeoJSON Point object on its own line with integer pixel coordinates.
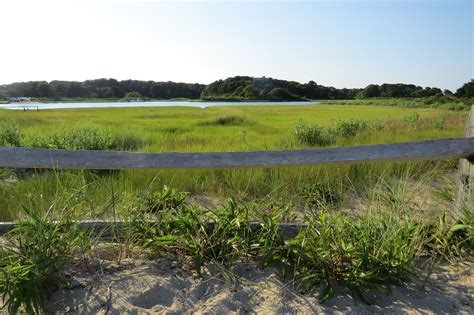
{"type": "Point", "coordinates": [167, 285]}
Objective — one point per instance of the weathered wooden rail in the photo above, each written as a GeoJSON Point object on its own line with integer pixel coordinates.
{"type": "Point", "coordinates": [79, 159]}
{"type": "Point", "coordinates": [457, 148]}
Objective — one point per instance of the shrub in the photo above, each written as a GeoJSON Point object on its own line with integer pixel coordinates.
{"type": "Point", "coordinates": [311, 134]}
{"type": "Point", "coordinates": [348, 128]}
{"type": "Point", "coordinates": [9, 134]}
{"type": "Point", "coordinates": [89, 138]}
{"type": "Point", "coordinates": [81, 138]}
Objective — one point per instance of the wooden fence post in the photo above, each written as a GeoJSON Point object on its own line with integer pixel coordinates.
{"type": "Point", "coordinates": [465, 190]}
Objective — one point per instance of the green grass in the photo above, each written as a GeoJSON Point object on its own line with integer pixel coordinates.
{"type": "Point", "coordinates": [445, 102]}
{"type": "Point", "coordinates": [369, 246]}
{"type": "Point", "coordinates": [233, 128]}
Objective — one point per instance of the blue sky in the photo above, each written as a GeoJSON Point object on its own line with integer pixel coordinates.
{"type": "Point", "coordinates": [339, 43]}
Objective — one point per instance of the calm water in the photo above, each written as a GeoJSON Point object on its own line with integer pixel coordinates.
{"type": "Point", "coordinates": [41, 106]}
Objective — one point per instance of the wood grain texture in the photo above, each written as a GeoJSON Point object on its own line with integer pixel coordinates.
{"type": "Point", "coordinates": [66, 159]}
{"type": "Point", "coordinates": [465, 185]}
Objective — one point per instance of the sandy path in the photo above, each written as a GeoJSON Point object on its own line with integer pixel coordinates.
{"type": "Point", "coordinates": [163, 285]}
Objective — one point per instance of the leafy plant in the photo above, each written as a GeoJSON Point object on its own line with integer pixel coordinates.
{"type": "Point", "coordinates": [311, 134]}
{"type": "Point", "coordinates": [32, 261]}
{"type": "Point", "coordinates": [412, 120]}
{"type": "Point", "coordinates": [81, 138]}
{"type": "Point", "coordinates": [348, 128]}
{"type": "Point", "coordinates": [220, 235]}
{"type": "Point", "coordinates": [9, 134]}
{"type": "Point", "coordinates": [166, 199]}
{"type": "Point", "coordinates": [439, 123]}
{"type": "Point", "coordinates": [369, 253]}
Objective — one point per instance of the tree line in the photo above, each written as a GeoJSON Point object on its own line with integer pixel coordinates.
{"type": "Point", "coordinates": [102, 88]}
{"type": "Point", "coordinates": [237, 88]}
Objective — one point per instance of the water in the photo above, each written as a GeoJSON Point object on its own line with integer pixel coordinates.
{"type": "Point", "coordinates": [41, 106]}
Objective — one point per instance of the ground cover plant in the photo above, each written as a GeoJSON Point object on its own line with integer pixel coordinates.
{"type": "Point", "coordinates": [32, 259]}
{"type": "Point", "coordinates": [370, 249]}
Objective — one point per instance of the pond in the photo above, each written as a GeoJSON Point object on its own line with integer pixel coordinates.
{"type": "Point", "coordinates": [41, 106]}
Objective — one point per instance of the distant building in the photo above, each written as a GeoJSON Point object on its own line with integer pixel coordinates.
{"type": "Point", "coordinates": [19, 99]}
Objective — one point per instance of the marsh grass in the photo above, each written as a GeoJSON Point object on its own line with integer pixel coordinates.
{"type": "Point", "coordinates": [10, 133]}
{"type": "Point", "coordinates": [444, 103]}
{"type": "Point", "coordinates": [369, 247]}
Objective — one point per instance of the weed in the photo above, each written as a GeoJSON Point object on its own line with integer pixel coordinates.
{"type": "Point", "coordinates": [439, 123]}
{"type": "Point", "coordinates": [9, 133]}
{"type": "Point", "coordinates": [81, 138]}
{"type": "Point", "coordinates": [312, 135]}
{"type": "Point", "coordinates": [377, 125]}
{"type": "Point", "coordinates": [32, 261]}
{"type": "Point", "coordinates": [348, 128]}
{"type": "Point", "coordinates": [320, 195]}
{"type": "Point", "coordinates": [369, 253]}
{"type": "Point", "coordinates": [412, 120]}
{"type": "Point", "coordinates": [166, 199]}
{"type": "Point", "coordinates": [445, 193]}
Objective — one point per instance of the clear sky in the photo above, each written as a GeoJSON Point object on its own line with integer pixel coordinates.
{"type": "Point", "coordinates": [339, 43]}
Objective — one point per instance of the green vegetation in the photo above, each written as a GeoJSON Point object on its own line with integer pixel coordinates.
{"type": "Point", "coordinates": [370, 249]}
{"type": "Point", "coordinates": [102, 89]}
{"type": "Point", "coordinates": [439, 102]}
{"type": "Point", "coordinates": [239, 88]}
{"type": "Point", "coordinates": [232, 128]}
{"type": "Point", "coordinates": [9, 134]}
{"type": "Point", "coordinates": [367, 228]}
{"type": "Point", "coordinates": [32, 260]}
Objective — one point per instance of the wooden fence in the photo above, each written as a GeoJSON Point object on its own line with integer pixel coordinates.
{"type": "Point", "coordinates": [457, 148]}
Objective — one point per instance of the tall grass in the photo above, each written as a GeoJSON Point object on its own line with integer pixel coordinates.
{"type": "Point", "coordinates": [445, 103]}
{"type": "Point", "coordinates": [32, 260]}
{"type": "Point", "coordinates": [212, 129]}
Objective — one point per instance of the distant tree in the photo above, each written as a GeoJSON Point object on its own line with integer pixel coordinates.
{"type": "Point", "coordinates": [250, 91]}
{"type": "Point", "coordinates": [370, 91]}
{"type": "Point", "coordinates": [132, 96]}
{"type": "Point", "coordinates": [448, 93]}
{"type": "Point", "coordinates": [43, 89]}
{"type": "Point", "coordinates": [238, 87]}
{"type": "Point", "coordinates": [3, 93]}
{"type": "Point", "coordinates": [467, 90]}
{"type": "Point", "coordinates": [106, 92]}
{"type": "Point", "coordinates": [281, 94]}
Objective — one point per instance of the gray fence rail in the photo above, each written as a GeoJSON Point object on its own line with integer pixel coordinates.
{"type": "Point", "coordinates": [79, 159]}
